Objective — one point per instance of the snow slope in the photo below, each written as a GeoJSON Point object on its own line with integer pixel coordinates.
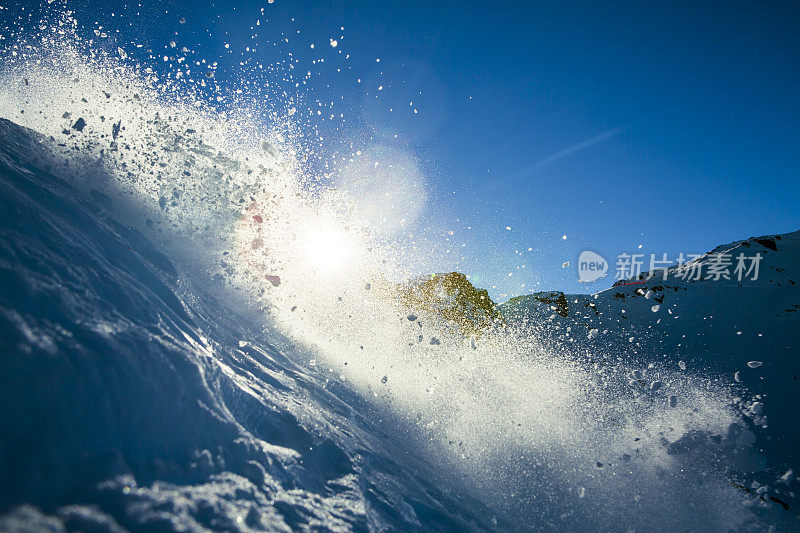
{"type": "Point", "coordinates": [134, 399]}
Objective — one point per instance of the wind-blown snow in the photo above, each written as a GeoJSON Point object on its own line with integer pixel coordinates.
{"type": "Point", "coordinates": [178, 354]}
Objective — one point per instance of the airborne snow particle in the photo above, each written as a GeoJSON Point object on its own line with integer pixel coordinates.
{"type": "Point", "coordinates": [754, 364]}
{"type": "Point", "coordinates": [182, 20]}
{"type": "Point", "coordinates": [673, 400]}
{"type": "Point", "coordinates": [656, 385]}
{"type": "Point", "coordinates": [565, 264]}
{"type": "Point", "coordinates": [655, 308]}
{"type": "Point", "coordinates": [334, 43]}
{"type": "Point", "coordinates": [682, 365]}
{"type": "Point", "coordinates": [79, 124]}
{"type": "Point", "coordinates": [564, 237]}
{"type": "Point", "coordinates": [411, 318]}
{"type": "Point", "coordinates": [594, 333]}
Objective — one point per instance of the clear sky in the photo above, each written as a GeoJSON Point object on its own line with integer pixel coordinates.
{"type": "Point", "coordinates": [670, 125]}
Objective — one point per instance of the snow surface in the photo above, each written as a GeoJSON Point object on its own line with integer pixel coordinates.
{"type": "Point", "coordinates": [134, 399]}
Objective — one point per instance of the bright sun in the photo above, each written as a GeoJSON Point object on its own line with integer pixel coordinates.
{"type": "Point", "coordinates": [325, 249]}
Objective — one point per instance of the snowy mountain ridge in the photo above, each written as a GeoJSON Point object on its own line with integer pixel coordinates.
{"type": "Point", "coordinates": [745, 330]}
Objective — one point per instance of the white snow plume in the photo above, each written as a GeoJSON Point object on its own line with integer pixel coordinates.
{"type": "Point", "coordinates": [540, 434]}
{"type": "Point", "coordinates": [386, 187]}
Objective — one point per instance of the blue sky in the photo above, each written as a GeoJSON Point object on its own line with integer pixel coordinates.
{"type": "Point", "coordinates": [670, 125]}
{"type": "Point", "coordinates": [674, 126]}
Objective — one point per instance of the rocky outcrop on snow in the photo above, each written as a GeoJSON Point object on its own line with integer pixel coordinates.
{"type": "Point", "coordinates": [452, 298]}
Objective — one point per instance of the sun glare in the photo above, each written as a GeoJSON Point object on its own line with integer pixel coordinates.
{"type": "Point", "coordinates": [325, 249]}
